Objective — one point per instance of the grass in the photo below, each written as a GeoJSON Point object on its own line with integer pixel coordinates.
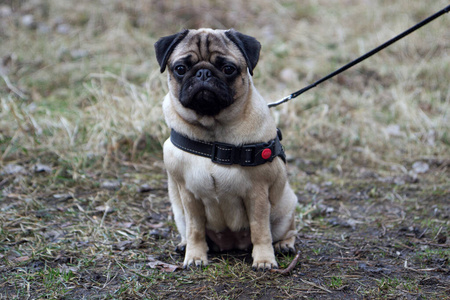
{"type": "Point", "coordinates": [80, 95]}
{"type": "Point", "coordinates": [336, 282]}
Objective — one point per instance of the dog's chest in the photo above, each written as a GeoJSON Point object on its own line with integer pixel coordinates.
{"type": "Point", "coordinates": [223, 192]}
{"type": "Point", "coordinates": [216, 182]}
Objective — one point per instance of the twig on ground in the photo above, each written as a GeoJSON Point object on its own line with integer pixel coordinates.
{"type": "Point", "coordinates": [418, 270]}
{"type": "Point", "coordinates": [435, 245]}
{"type": "Point", "coordinates": [437, 234]}
{"type": "Point", "coordinates": [290, 267]}
{"type": "Point", "coordinates": [423, 233]}
{"type": "Point", "coordinates": [315, 285]}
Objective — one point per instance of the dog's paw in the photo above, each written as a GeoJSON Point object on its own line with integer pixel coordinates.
{"type": "Point", "coordinates": [264, 266]}
{"type": "Point", "coordinates": [286, 246]}
{"type": "Point", "coordinates": [264, 258]}
{"type": "Point", "coordinates": [198, 262]}
{"type": "Point", "coordinates": [196, 257]}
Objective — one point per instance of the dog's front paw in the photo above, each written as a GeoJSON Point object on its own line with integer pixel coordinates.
{"type": "Point", "coordinates": [263, 258]}
{"type": "Point", "coordinates": [197, 261]}
{"type": "Point", "coordinates": [195, 256]}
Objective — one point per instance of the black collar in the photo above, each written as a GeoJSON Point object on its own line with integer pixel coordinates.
{"type": "Point", "coordinates": [228, 154]}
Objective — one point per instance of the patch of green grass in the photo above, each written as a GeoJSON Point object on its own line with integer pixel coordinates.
{"type": "Point", "coordinates": [336, 282]}
{"type": "Point", "coordinates": [432, 255]}
{"type": "Point", "coordinates": [393, 286]}
{"type": "Point", "coordinates": [388, 284]}
{"type": "Point", "coordinates": [316, 251]}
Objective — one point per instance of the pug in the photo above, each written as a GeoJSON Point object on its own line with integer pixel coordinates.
{"type": "Point", "coordinates": [227, 177]}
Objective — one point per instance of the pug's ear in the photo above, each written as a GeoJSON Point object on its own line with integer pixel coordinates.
{"type": "Point", "coordinates": [248, 45]}
{"type": "Point", "coordinates": [165, 45]}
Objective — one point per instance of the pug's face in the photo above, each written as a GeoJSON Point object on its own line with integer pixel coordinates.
{"type": "Point", "coordinates": [209, 70]}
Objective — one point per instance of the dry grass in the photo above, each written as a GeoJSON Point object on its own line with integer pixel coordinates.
{"type": "Point", "coordinates": [80, 93]}
{"type": "Point", "coordinates": [97, 84]}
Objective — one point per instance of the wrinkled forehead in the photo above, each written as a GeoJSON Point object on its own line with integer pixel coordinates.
{"type": "Point", "coordinates": [207, 45]}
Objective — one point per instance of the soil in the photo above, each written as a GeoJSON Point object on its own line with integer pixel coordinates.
{"type": "Point", "coordinates": [362, 235]}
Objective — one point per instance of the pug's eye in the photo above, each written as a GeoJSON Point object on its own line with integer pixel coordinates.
{"type": "Point", "coordinates": [180, 70]}
{"type": "Point", "coordinates": [228, 70]}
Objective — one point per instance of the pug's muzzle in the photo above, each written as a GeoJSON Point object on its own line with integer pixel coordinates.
{"type": "Point", "coordinates": [203, 91]}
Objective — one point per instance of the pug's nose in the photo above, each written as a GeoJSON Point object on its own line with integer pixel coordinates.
{"type": "Point", "coordinates": [203, 74]}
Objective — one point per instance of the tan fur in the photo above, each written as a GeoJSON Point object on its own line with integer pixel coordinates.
{"type": "Point", "coordinates": [219, 197]}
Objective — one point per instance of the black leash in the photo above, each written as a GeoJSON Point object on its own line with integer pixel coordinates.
{"type": "Point", "coordinates": [360, 59]}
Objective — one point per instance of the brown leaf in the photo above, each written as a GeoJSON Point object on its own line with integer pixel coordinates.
{"type": "Point", "coordinates": [126, 245]}
{"type": "Point", "coordinates": [155, 226]}
{"type": "Point", "coordinates": [21, 258]}
{"type": "Point", "coordinates": [156, 264]}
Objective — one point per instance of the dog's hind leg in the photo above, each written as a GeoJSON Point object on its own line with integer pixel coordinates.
{"type": "Point", "coordinates": [283, 222]}
{"type": "Point", "coordinates": [287, 244]}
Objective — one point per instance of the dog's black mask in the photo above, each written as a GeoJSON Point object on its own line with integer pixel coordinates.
{"type": "Point", "coordinates": [205, 92]}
